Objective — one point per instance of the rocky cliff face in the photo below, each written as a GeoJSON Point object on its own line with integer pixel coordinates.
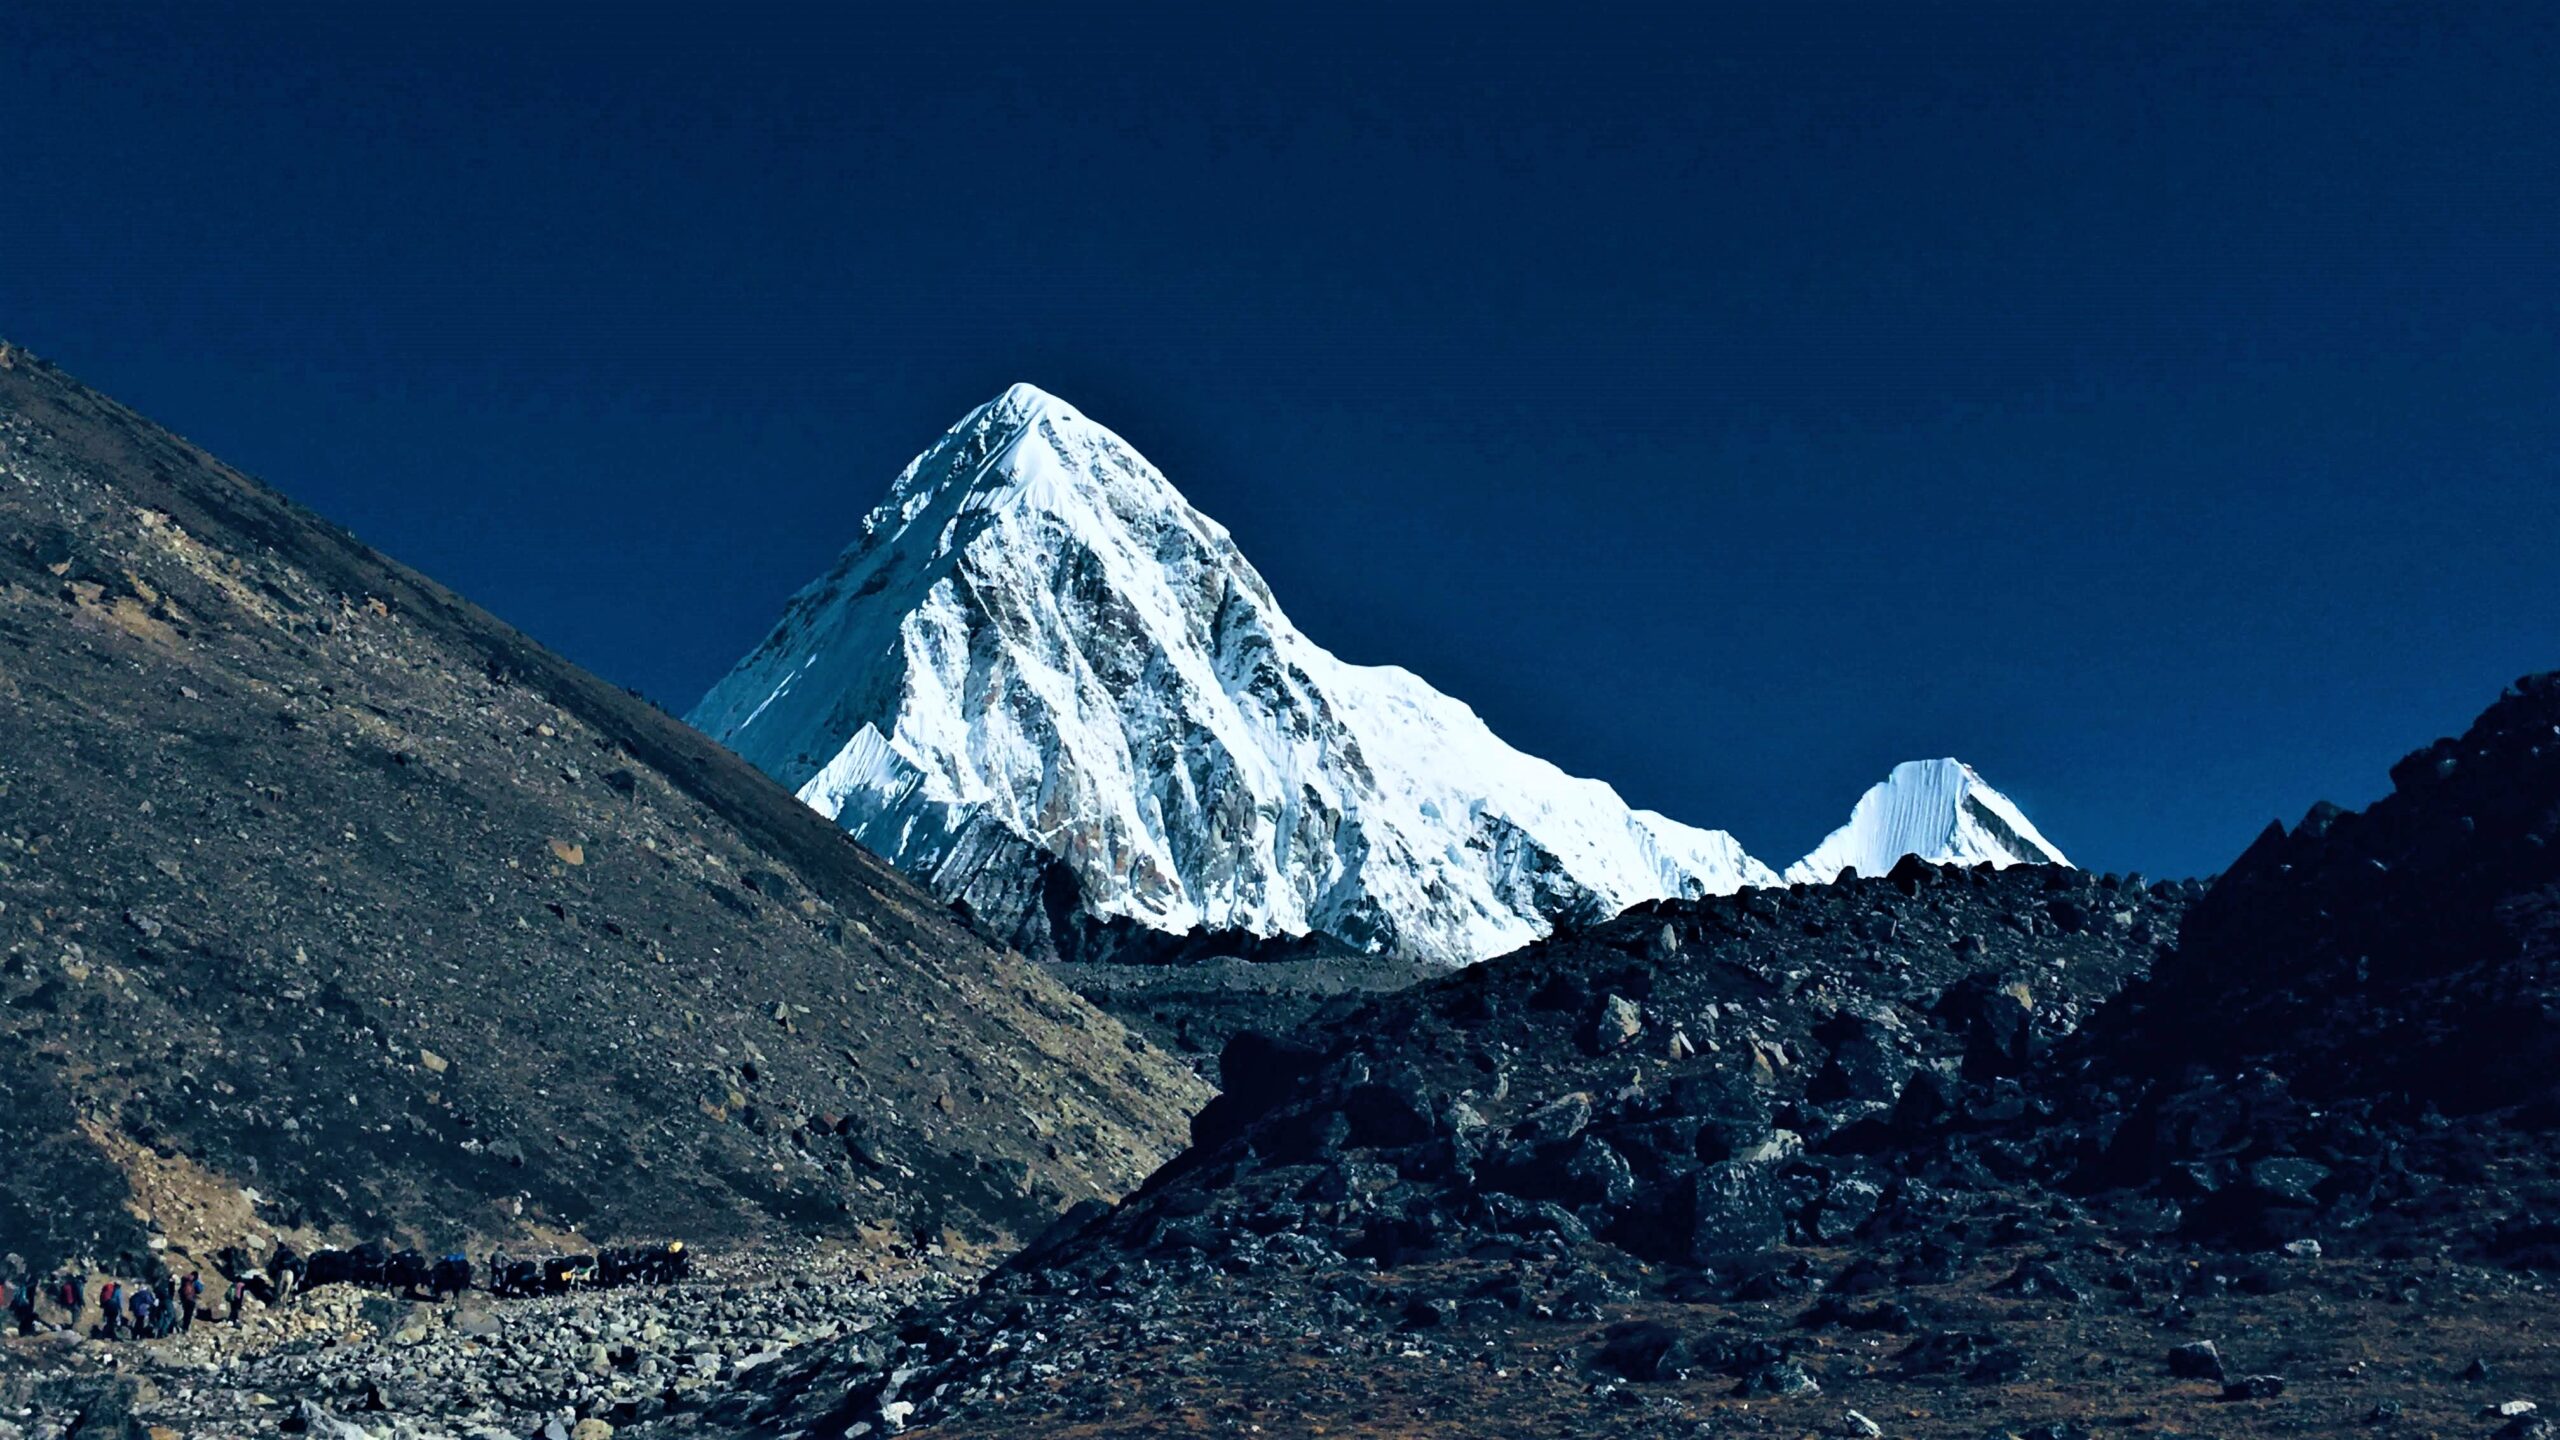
{"type": "Point", "coordinates": [1048, 687]}
{"type": "Point", "coordinates": [331, 905]}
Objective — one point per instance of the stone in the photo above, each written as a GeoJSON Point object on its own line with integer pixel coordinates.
{"type": "Point", "coordinates": [2288, 1179]}
{"type": "Point", "coordinates": [1722, 1209]}
{"type": "Point", "coordinates": [1387, 1114]}
{"type": "Point", "coordinates": [2038, 1279]}
{"type": "Point", "coordinates": [1781, 1379]}
{"type": "Point", "coordinates": [1618, 1022]}
{"type": "Point", "coordinates": [2201, 1360]}
{"type": "Point", "coordinates": [1644, 1351]}
{"type": "Point", "coordinates": [1859, 1426]}
{"type": "Point", "coordinates": [2002, 1365]}
{"type": "Point", "coordinates": [414, 1327]}
{"type": "Point", "coordinates": [1997, 1022]}
{"type": "Point", "coordinates": [1865, 1064]}
{"type": "Point", "coordinates": [2254, 1387]}
{"type": "Point", "coordinates": [475, 1316]}
{"type": "Point", "coordinates": [322, 1424]}
{"type": "Point", "coordinates": [1596, 1174]}
{"type": "Point", "coordinates": [1559, 1119]}
{"type": "Point", "coordinates": [591, 1429]}
{"type": "Point", "coordinates": [1848, 1201]}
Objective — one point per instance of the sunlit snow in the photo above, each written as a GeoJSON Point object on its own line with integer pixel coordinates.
{"type": "Point", "coordinates": [1037, 641]}
{"type": "Point", "coordinates": [1939, 810]}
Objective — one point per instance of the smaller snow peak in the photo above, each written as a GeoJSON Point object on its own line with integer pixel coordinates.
{"type": "Point", "coordinates": [1941, 810]}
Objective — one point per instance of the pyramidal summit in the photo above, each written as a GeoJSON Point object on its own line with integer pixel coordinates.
{"type": "Point", "coordinates": [1939, 810]}
{"type": "Point", "coordinates": [1055, 693]}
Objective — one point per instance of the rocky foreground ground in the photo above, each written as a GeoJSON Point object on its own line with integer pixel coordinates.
{"type": "Point", "coordinates": [341, 1362]}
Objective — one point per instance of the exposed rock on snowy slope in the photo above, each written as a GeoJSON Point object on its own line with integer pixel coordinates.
{"type": "Point", "coordinates": [1047, 686]}
{"type": "Point", "coordinates": [1939, 810]}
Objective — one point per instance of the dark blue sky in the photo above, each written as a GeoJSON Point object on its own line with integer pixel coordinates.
{"type": "Point", "coordinates": [2157, 406]}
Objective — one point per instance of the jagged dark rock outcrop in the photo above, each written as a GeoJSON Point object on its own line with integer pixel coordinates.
{"type": "Point", "coordinates": [1688, 1085]}
{"type": "Point", "coordinates": [2358, 1025]}
{"type": "Point", "coordinates": [2405, 954]}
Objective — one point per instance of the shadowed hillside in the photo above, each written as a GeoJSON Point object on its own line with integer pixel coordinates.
{"type": "Point", "coordinates": [329, 902]}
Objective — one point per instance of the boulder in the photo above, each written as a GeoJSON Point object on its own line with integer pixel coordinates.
{"type": "Point", "coordinates": [2288, 1179]}
{"type": "Point", "coordinates": [2201, 1360]}
{"type": "Point", "coordinates": [1866, 1062]}
{"type": "Point", "coordinates": [1387, 1113]}
{"type": "Point", "coordinates": [1645, 1351]}
{"type": "Point", "coordinates": [1559, 1119]}
{"type": "Point", "coordinates": [320, 1423]}
{"type": "Point", "coordinates": [2254, 1387]}
{"type": "Point", "coordinates": [1723, 1209]}
{"type": "Point", "coordinates": [1614, 1025]}
{"type": "Point", "coordinates": [1997, 1023]}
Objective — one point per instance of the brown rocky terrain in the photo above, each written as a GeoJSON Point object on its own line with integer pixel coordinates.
{"type": "Point", "coordinates": [332, 907]}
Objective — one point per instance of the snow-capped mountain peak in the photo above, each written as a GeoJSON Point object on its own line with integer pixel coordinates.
{"type": "Point", "coordinates": [1940, 810]}
{"type": "Point", "coordinates": [1039, 665]}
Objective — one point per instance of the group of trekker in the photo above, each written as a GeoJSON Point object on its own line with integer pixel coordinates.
{"type": "Point", "coordinates": [139, 1311]}
{"type": "Point", "coordinates": [150, 1311]}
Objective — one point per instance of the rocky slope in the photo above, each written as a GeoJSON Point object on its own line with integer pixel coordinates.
{"type": "Point", "coordinates": [1631, 1110]}
{"type": "Point", "coordinates": [1052, 689]}
{"type": "Point", "coordinates": [1841, 1161]}
{"type": "Point", "coordinates": [331, 905]}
